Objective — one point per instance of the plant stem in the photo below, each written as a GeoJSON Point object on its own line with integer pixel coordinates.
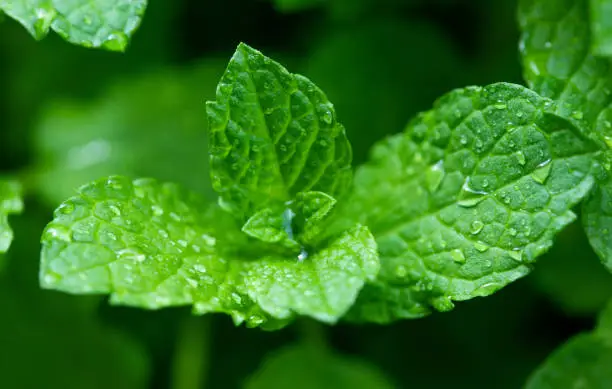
{"type": "Point", "coordinates": [192, 353]}
{"type": "Point", "coordinates": [312, 333]}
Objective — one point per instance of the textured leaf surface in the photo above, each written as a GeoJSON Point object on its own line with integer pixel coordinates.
{"type": "Point", "coordinates": [557, 62]}
{"type": "Point", "coordinates": [149, 245]}
{"type": "Point", "coordinates": [601, 27]}
{"type": "Point", "coordinates": [273, 134]}
{"type": "Point", "coordinates": [597, 221]}
{"type": "Point", "coordinates": [10, 203]}
{"type": "Point", "coordinates": [150, 126]}
{"type": "Point", "coordinates": [467, 197]}
{"type": "Point", "coordinates": [304, 367]}
{"type": "Point", "coordinates": [91, 23]}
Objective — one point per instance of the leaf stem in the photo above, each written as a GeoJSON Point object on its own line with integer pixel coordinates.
{"type": "Point", "coordinates": [312, 333]}
{"type": "Point", "coordinates": [191, 358]}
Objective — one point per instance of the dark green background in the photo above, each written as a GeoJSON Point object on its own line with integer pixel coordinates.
{"type": "Point", "coordinates": [380, 62]}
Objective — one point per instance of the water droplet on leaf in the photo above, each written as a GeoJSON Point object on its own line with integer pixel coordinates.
{"type": "Point", "coordinates": [476, 227]}
{"type": "Point", "coordinates": [434, 176]}
{"type": "Point", "coordinates": [458, 256]}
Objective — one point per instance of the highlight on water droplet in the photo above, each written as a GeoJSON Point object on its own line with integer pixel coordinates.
{"type": "Point", "coordinates": [442, 303]}
{"type": "Point", "coordinates": [470, 197]}
{"type": "Point", "coordinates": [578, 115]}
{"type": "Point", "coordinates": [116, 41]}
{"type": "Point", "coordinates": [476, 227]}
{"type": "Point", "coordinates": [541, 173]}
{"type": "Point", "coordinates": [457, 256]}
{"type": "Point", "coordinates": [481, 246]}
{"type": "Point", "coordinates": [520, 157]}
{"type": "Point", "coordinates": [487, 289]}
{"type": "Point", "coordinates": [401, 271]}
{"type": "Point", "coordinates": [516, 254]}
{"type": "Point", "coordinates": [434, 176]}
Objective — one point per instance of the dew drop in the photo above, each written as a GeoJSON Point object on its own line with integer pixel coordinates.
{"type": "Point", "coordinates": [302, 255]}
{"type": "Point", "coordinates": [487, 289]}
{"type": "Point", "coordinates": [434, 176]}
{"type": "Point", "coordinates": [578, 115]}
{"type": "Point", "coordinates": [500, 106]}
{"type": "Point", "coordinates": [516, 254]}
{"type": "Point", "coordinates": [442, 303]}
{"type": "Point", "coordinates": [512, 232]}
{"type": "Point", "coordinates": [470, 197]}
{"type": "Point", "coordinates": [480, 246]}
{"type": "Point", "coordinates": [520, 157]}
{"type": "Point", "coordinates": [476, 227]}
{"type": "Point", "coordinates": [57, 232]}
{"type": "Point", "coordinates": [457, 256]}
{"type": "Point", "coordinates": [541, 173]}
{"type": "Point", "coordinates": [401, 271]}
{"type": "Point", "coordinates": [131, 255]}
{"type": "Point", "coordinates": [116, 41]}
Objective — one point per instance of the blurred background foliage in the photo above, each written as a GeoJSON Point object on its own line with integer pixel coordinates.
{"type": "Point", "coordinates": [69, 115]}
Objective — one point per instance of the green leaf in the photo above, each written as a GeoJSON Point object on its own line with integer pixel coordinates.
{"type": "Point", "coordinates": [66, 341]}
{"type": "Point", "coordinates": [571, 275]}
{"type": "Point", "coordinates": [78, 142]}
{"type": "Point", "coordinates": [557, 63]}
{"type": "Point", "coordinates": [305, 367]}
{"type": "Point", "coordinates": [10, 203]}
{"type": "Point", "coordinates": [150, 245]}
{"type": "Point", "coordinates": [467, 197]}
{"type": "Point", "coordinates": [597, 221]}
{"type": "Point", "coordinates": [104, 24]}
{"type": "Point", "coordinates": [296, 5]}
{"type": "Point", "coordinates": [604, 322]}
{"type": "Point", "coordinates": [583, 362]}
{"type": "Point", "coordinates": [601, 27]}
{"type": "Point", "coordinates": [273, 134]}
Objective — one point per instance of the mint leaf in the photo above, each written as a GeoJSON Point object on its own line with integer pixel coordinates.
{"type": "Point", "coordinates": [78, 142]}
{"type": "Point", "coordinates": [104, 24]}
{"type": "Point", "coordinates": [150, 245]}
{"type": "Point", "coordinates": [469, 195]}
{"type": "Point", "coordinates": [583, 362]}
{"type": "Point", "coordinates": [303, 366]}
{"type": "Point", "coordinates": [557, 63]}
{"type": "Point", "coordinates": [323, 285]}
{"type": "Point", "coordinates": [597, 221]}
{"type": "Point", "coordinates": [67, 341]}
{"type": "Point", "coordinates": [601, 27]}
{"type": "Point", "coordinates": [10, 203]}
{"type": "Point", "coordinates": [273, 134]}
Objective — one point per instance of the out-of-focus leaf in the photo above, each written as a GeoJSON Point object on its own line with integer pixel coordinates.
{"type": "Point", "coordinates": [380, 73]}
{"type": "Point", "coordinates": [296, 5]}
{"type": "Point", "coordinates": [10, 203]}
{"type": "Point", "coordinates": [151, 127]}
{"type": "Point", "coordinates": [306, 367]}
{"type": "Point", "coordinates": [583, 362]}
{"type": "Point", "coordinates": [50, 340]}
{"type": "Point", "coordinates": [91, 23]}
{"type": "Point", "coordinates": [571, 275]}
{"type": "Point", "coordinates": [601, 27]}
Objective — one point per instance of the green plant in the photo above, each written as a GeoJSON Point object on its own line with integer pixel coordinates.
{"type": "Point", "coordinates": [458, 205]}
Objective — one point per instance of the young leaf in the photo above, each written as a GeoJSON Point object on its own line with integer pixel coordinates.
{"type": "Point", "coordinates": [601, 27]}
{"type": "Point", "coordinates": [597, 221]}
{"type": "Point", "coordinates": [305, 367]}
{"type": "Point", "coordinates": [469, 195]}
{"type": "Point", "coordinates": [273, 134]}
{"type": "Point", "coordinates": [104, 24]}
{"type": "Point", "coordinates": [149, 245]}
{"type": "Point", "coordinates": [557, 63]}
{"type": "Point", "coordinates": [10, 203]}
